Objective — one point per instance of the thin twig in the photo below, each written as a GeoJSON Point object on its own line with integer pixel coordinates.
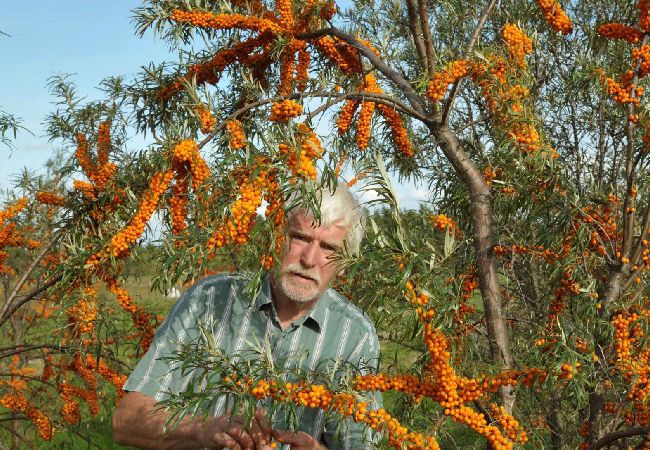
{"type": "Point", "coordinates": [18, 349]}
{"type": "Point", "coordinates": [17, 435]}
{"type": "Point", "coordinates": [329, 103]}
{"type": "Point", "coordinates": [416, 32]}
{"type": "Point", "coordinates": [470, 47]}
{"type": "Point", "coordinates": [24, 278]}
{"type": "Point", "coordinates": [426, 34]}
{"type": "Point", "coordinates": [28, 377]}
{"type": "Point", "coordinates": [620, 434]}
{"type": "Point", "coordinates": [14, 307]}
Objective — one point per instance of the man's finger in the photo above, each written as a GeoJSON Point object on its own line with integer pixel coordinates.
{"type": "Point", "coordinates": [242, 438]}
{"type": "Point", "coordinates": [285, 436]}
{"type": "Point", "coordinates": [263, 420]}
{"type": "Point", "coordinates": [258, 434]}
{"type": "Point", "coordinates": [231, 444]}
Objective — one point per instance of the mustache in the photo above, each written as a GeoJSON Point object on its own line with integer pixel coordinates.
{"type": "Point", "coordinates": [297, 268]}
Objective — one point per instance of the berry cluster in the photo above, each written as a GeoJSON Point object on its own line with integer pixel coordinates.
{"type": "Point", "coordinates": [145, 323]}
{"type": "Point", "coordinates": [210, 71]}
{"type": "Point", "coordinates": [18, 402]}
{"type": "Point", "coordinates": [178, 205]}
{"type": "Point", "coordinates": [236, 134]}
{"type": "Point", "coordinates": [443, 223]}
{"type": "Point", "coordinates": [121, 242]}
{"type": "Point", "coordinates": [206, 119]}
{"type": "Point", "coordinates": [9, 235]}
{"type": "Point", "coordinates": [285, 110]}
{"type": "Point", "coordinates": [338, 53]}
{"type": "Point", "coordinates": [82, 315]}
{"type": "Point", "coordinates": [517, 43]}
{"type": "Point", "coordinates": [568, 287]}
{"type": "Point", "coordinates": [101, 172]}
{"type": "Point", "coordinates": [346, 115]}
{"type": "Point", "coordinates": [441, 80]}
{"type": "Point", "coordinates": [393, 119]}
{"type": "Point", "coordinates": [224, 21]}
{"type": "Point", "coordinates": [50, 198]}
{"type": "Point", "coordinates": [620, 31]}
{"type": "Point", "coordinates": [187, 159]}
{"type": "Point", "coordinates": [644, 15]}
{"type": "Point", "coordinates": [555, 16]}
{"type": "Point", "coordinates": [237, 227]}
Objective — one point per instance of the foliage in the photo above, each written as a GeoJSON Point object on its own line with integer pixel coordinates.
{"type": "Point", "coordinates": [529, 126]}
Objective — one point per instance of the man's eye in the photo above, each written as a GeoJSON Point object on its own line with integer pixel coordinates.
{"type": "Point", "coordinates": [299, 238]}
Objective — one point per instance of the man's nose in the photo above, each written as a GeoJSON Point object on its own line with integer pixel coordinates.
{"type": "Point", "coordinates": [310, 254]}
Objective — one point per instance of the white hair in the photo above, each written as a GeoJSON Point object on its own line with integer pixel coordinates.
{"type": "Point", "coordinates": [336, 206]}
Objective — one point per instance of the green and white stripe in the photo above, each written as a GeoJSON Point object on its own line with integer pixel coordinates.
{"type": "Point", "coordinates": [335, 330]}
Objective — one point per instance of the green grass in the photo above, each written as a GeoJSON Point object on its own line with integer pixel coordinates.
{"type": "Point", "coordinates": [92, 434]}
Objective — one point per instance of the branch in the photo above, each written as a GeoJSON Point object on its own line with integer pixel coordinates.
{"type": "Point", "coordinates": [416, 31]}
{"type": "Point", "coordinates": [24, 278]}
{"type": "Point", "coordinates": [620, 434]}
{"type": "Point", "coordinates": [637, 273]}
{"type": "Point", "coordinates": [45, 286]}
{"type": "Point", "coordinates": [644, 234]}
{"type": "Point", "coordinates": [28, 377]}
{"type": "Point", "coordinates": [428, 41]}
{"type": "Point", "coordinates": [416, 100]}
{"type": "Point", "coordinates": [377, 98]}
{"type": "Point", "coordinates": [628, 218]}
{"type": "Point", "coordinates": [470, 47]}
{"type": "Point", "coordinates": [14, 433]}
{"type": "Point", "coordinates": [18, 349]}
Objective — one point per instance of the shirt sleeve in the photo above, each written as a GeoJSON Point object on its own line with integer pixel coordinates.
{"type": "Point", "coordinates": [154, 376]}
{"type": "Point", "coordinates": [347, 434]}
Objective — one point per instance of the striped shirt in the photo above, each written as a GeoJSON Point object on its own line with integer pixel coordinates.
{"type": "Point", "coordinates": [334, 330]}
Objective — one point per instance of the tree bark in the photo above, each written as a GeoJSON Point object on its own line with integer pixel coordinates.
{"type": "Point", "coordinates": [481, 204]}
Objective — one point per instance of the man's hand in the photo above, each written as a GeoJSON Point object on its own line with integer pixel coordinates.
{"type": "Point", "coordinates": [224, 432]}
{"type": "Point", "coordinates": [298, 440]}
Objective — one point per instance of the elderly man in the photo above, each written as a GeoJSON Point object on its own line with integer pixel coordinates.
{"type": "Point", "coordinates": [294, 311]}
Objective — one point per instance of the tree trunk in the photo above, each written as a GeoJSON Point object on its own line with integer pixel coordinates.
{"type": "Point", "coordinates": [481, 204]}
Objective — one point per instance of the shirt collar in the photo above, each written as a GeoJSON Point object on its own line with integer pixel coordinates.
{"type": "Point", "coordinates": [314, 317]}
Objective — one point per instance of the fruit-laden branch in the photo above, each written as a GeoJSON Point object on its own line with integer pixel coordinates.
{"type": "Point", "coordinates": [416, 101]}
{"type": "Point", "coordinates": [18, 349]}
{"type": "Point", "coordinates": [481, 206]}
{"type": "Point", "coordinates": [468, 51]}
{"type": "Point", "coordinates": [377, 98]}
{"type": "Point", "coordinates": [630, 166]}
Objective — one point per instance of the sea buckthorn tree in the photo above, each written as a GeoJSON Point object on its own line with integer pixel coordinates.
{"type": "Point", "coordinates": [516, 300]}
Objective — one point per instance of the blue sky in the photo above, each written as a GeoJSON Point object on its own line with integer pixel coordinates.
{"type": "Point", "coordinates": [89, 39]}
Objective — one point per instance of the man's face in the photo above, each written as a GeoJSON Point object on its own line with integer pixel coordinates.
{"type": "Point", "coordinates": [307, 267]}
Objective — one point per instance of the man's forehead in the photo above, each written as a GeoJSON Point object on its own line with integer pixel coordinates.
{"type": "Point", "coordinates": [305, 221]}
